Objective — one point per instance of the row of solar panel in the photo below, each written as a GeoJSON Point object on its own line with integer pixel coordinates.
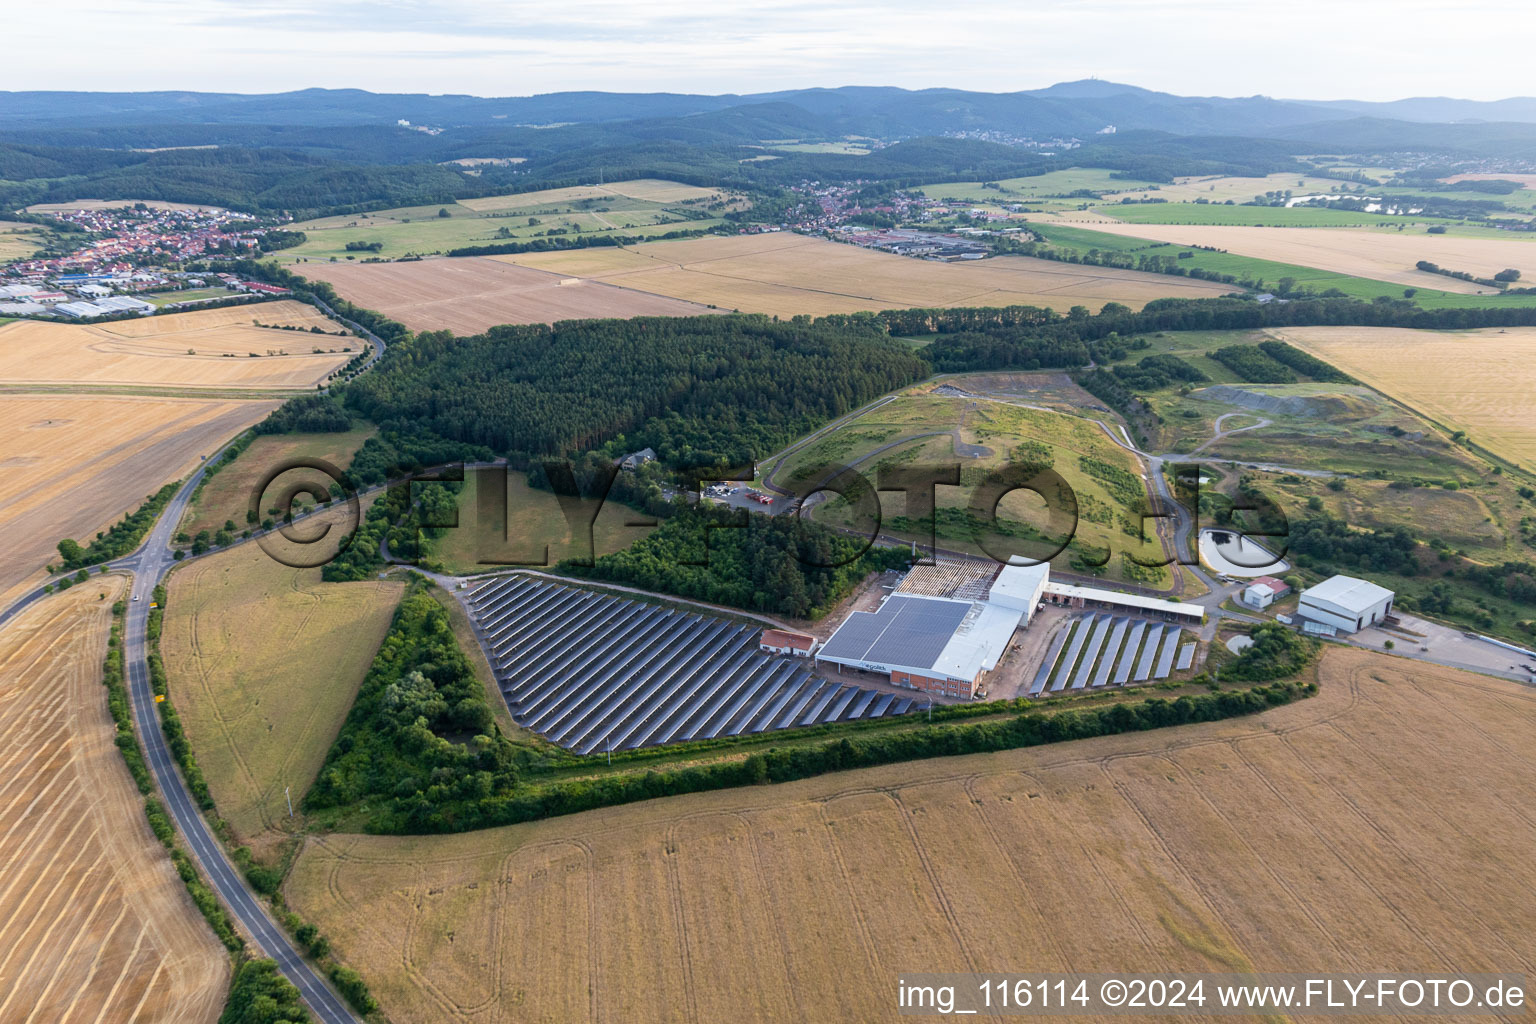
{"type": "Point", "coordinates": [1102, 650]}
{"type": "Point", "coordinates": [593, 673]}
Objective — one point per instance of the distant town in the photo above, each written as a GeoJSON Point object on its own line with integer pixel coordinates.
{"type": "Point", "coordinates": [125, 265]}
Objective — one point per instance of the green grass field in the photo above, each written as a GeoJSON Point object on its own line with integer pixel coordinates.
{"type": "Point", "coordinates": [1032, 189]}
{"type": "Point", "coordinates": [919, 428]}
{"type": "Point", "coordinates": [421, 230]}
{"type": "Point", "coordinates": [19, 241]}
{"type": "Point", "coordinates": [1268, 271]}
{"type": "Point", "coordinates": [534, 525]}
{"type": "Point", "coordinates": [188, 295]}
{"type": "Point", "coordinates": [846, 148]}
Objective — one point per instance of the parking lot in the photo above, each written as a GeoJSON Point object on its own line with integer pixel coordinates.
{"type": "Point", "coordinates": [1447, 646]}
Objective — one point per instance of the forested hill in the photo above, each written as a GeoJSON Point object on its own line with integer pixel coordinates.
{"type": "Point", "coordinates": [699, 390]}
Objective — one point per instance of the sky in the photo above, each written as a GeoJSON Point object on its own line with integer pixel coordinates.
{"type": "Point", "coordinates": [1303, 49]}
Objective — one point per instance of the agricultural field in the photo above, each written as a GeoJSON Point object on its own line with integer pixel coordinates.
{"type": "Point", "coordinates": [263, 663]}
{"type": "Point", "coordinates": [1052, 191]}
{"type": "Point", "coordinates": [1388, 256]}
{"type": "Point", "coordinates": [786, 274]}
{"type": "Point", "coordinates": [848, 147]}
{"type": "Point", "coordinates": [74, 464]}
{"type": "Point", "coordinates": [1257, 216]}
{"type": "Point", "coordinates": [1479, 381]}
{"type": "Point", "coordinates": [466, 295]}
{"type": "Point", "coordinates": [1268, 273]}
{"type": "Point", "coordinates": [642, 207]}
{"type": "Point", "coordinates": [226, 495]}
{"type": "Point", "coordinates": [111, 204]}
{"type": "Point", "coordinates": [1345, 831]}
{"type": "Point", "coordinates": [935, 429]}
{"type": "Point", "coordinates": [95, 925]}
{"type": "Point", "coordinates": [215, 348]}
{"type": "Point", "coordinates": [535, 531]}
{"type": "Point", "coordinates": [19, 241]}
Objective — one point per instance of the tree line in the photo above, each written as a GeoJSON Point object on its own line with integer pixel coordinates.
{"type": "Point", "coordinates": [782, 564]}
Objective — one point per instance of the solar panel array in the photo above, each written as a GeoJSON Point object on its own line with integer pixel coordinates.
{"type": "Point", "coordinates": [1110, 650]}
{"type": "Point", "coordinates": [594, 673]}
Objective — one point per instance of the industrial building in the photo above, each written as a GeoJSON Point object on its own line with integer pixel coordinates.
{"type": "Point", "coordinates": [1110, 600]}
{"type": "Point", "coordinates": [940, 645]}
{"type": "Point", "coordinates": [111, 306]}
{"type": "Point", "coordinates": [1343, 604]}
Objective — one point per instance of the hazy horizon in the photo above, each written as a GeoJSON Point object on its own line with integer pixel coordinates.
{"type": "Point", "coordinates": [478, 48]}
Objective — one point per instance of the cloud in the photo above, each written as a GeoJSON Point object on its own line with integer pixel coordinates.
{"type": "Point", "coordinates": [1368, 49]}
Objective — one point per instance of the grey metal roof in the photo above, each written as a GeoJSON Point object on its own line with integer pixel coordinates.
{"type": "Point", "coordinates": [905, 631]}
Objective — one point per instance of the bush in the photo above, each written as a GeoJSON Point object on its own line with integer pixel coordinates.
{"type": "Point", "coordinates": [259, 994]}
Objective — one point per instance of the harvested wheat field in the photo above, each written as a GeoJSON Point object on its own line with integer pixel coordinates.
{"type": "Point", "coordinates": [95, 925]}
{"type": "Point", "coordinates": [1478, 381]}
{"type": "Point", "coordinates": [75, 464]}
{"type": "Point", "coordinates": [1382, 825]}
{"type": "Point", "coordinates": [466, 295]}
{"type": "Point", "coordinates": [263, 663]}
{"type": "Point", "coordinates": [205, 348]}
{"type": "Point", "coordinates": [1361, 252]}
{"type": "Point", "coordinates": [787, 274]}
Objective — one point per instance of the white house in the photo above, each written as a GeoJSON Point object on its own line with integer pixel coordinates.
{"type": "Point", "coordinates": [1346, 604]}
{"type": "Point", "coordinates": [1264, 591]}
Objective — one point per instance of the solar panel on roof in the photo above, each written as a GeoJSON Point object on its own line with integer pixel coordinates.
{"type": "Point", "coordinates": [910, 631]}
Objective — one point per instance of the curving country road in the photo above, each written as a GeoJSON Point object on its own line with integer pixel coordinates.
{"type": "Point", "coordinates": [149, 564]}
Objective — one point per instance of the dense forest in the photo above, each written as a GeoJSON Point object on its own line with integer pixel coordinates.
{"type": "Point", "coordinates": [313, 170]}
{"type": "Point", "coordinates": [699, 390]}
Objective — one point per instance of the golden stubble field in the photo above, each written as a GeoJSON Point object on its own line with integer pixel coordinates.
{"type": "Point", "coordinates": [1480, 381]}
{"type": "Point", "coordinates": [95, 925]}
{"type": "Point", "coordinates": [786, 274]}
{"type": "Point", "coordinates": [1360, 252]}
{"type": "Point", "coordinates": [468, 294]}
{"type": "Point", "coordinates": [263, 663]}
{"type": "Point", "coordinates": [74, 464]}
{"type": "Point", "coordinates": [204, 348]}
{"type": "Point", "coordinates": [1383, 825]}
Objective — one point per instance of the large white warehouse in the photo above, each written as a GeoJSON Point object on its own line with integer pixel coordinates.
{"type": "Point", "coordinates": [1345, 604]}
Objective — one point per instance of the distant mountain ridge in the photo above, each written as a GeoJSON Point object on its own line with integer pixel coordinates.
{"type": "Point", "coordinates": [1067, 108]}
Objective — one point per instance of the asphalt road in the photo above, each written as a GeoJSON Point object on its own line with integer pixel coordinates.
{"type": "Point", "coordinates": [149, 565]}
